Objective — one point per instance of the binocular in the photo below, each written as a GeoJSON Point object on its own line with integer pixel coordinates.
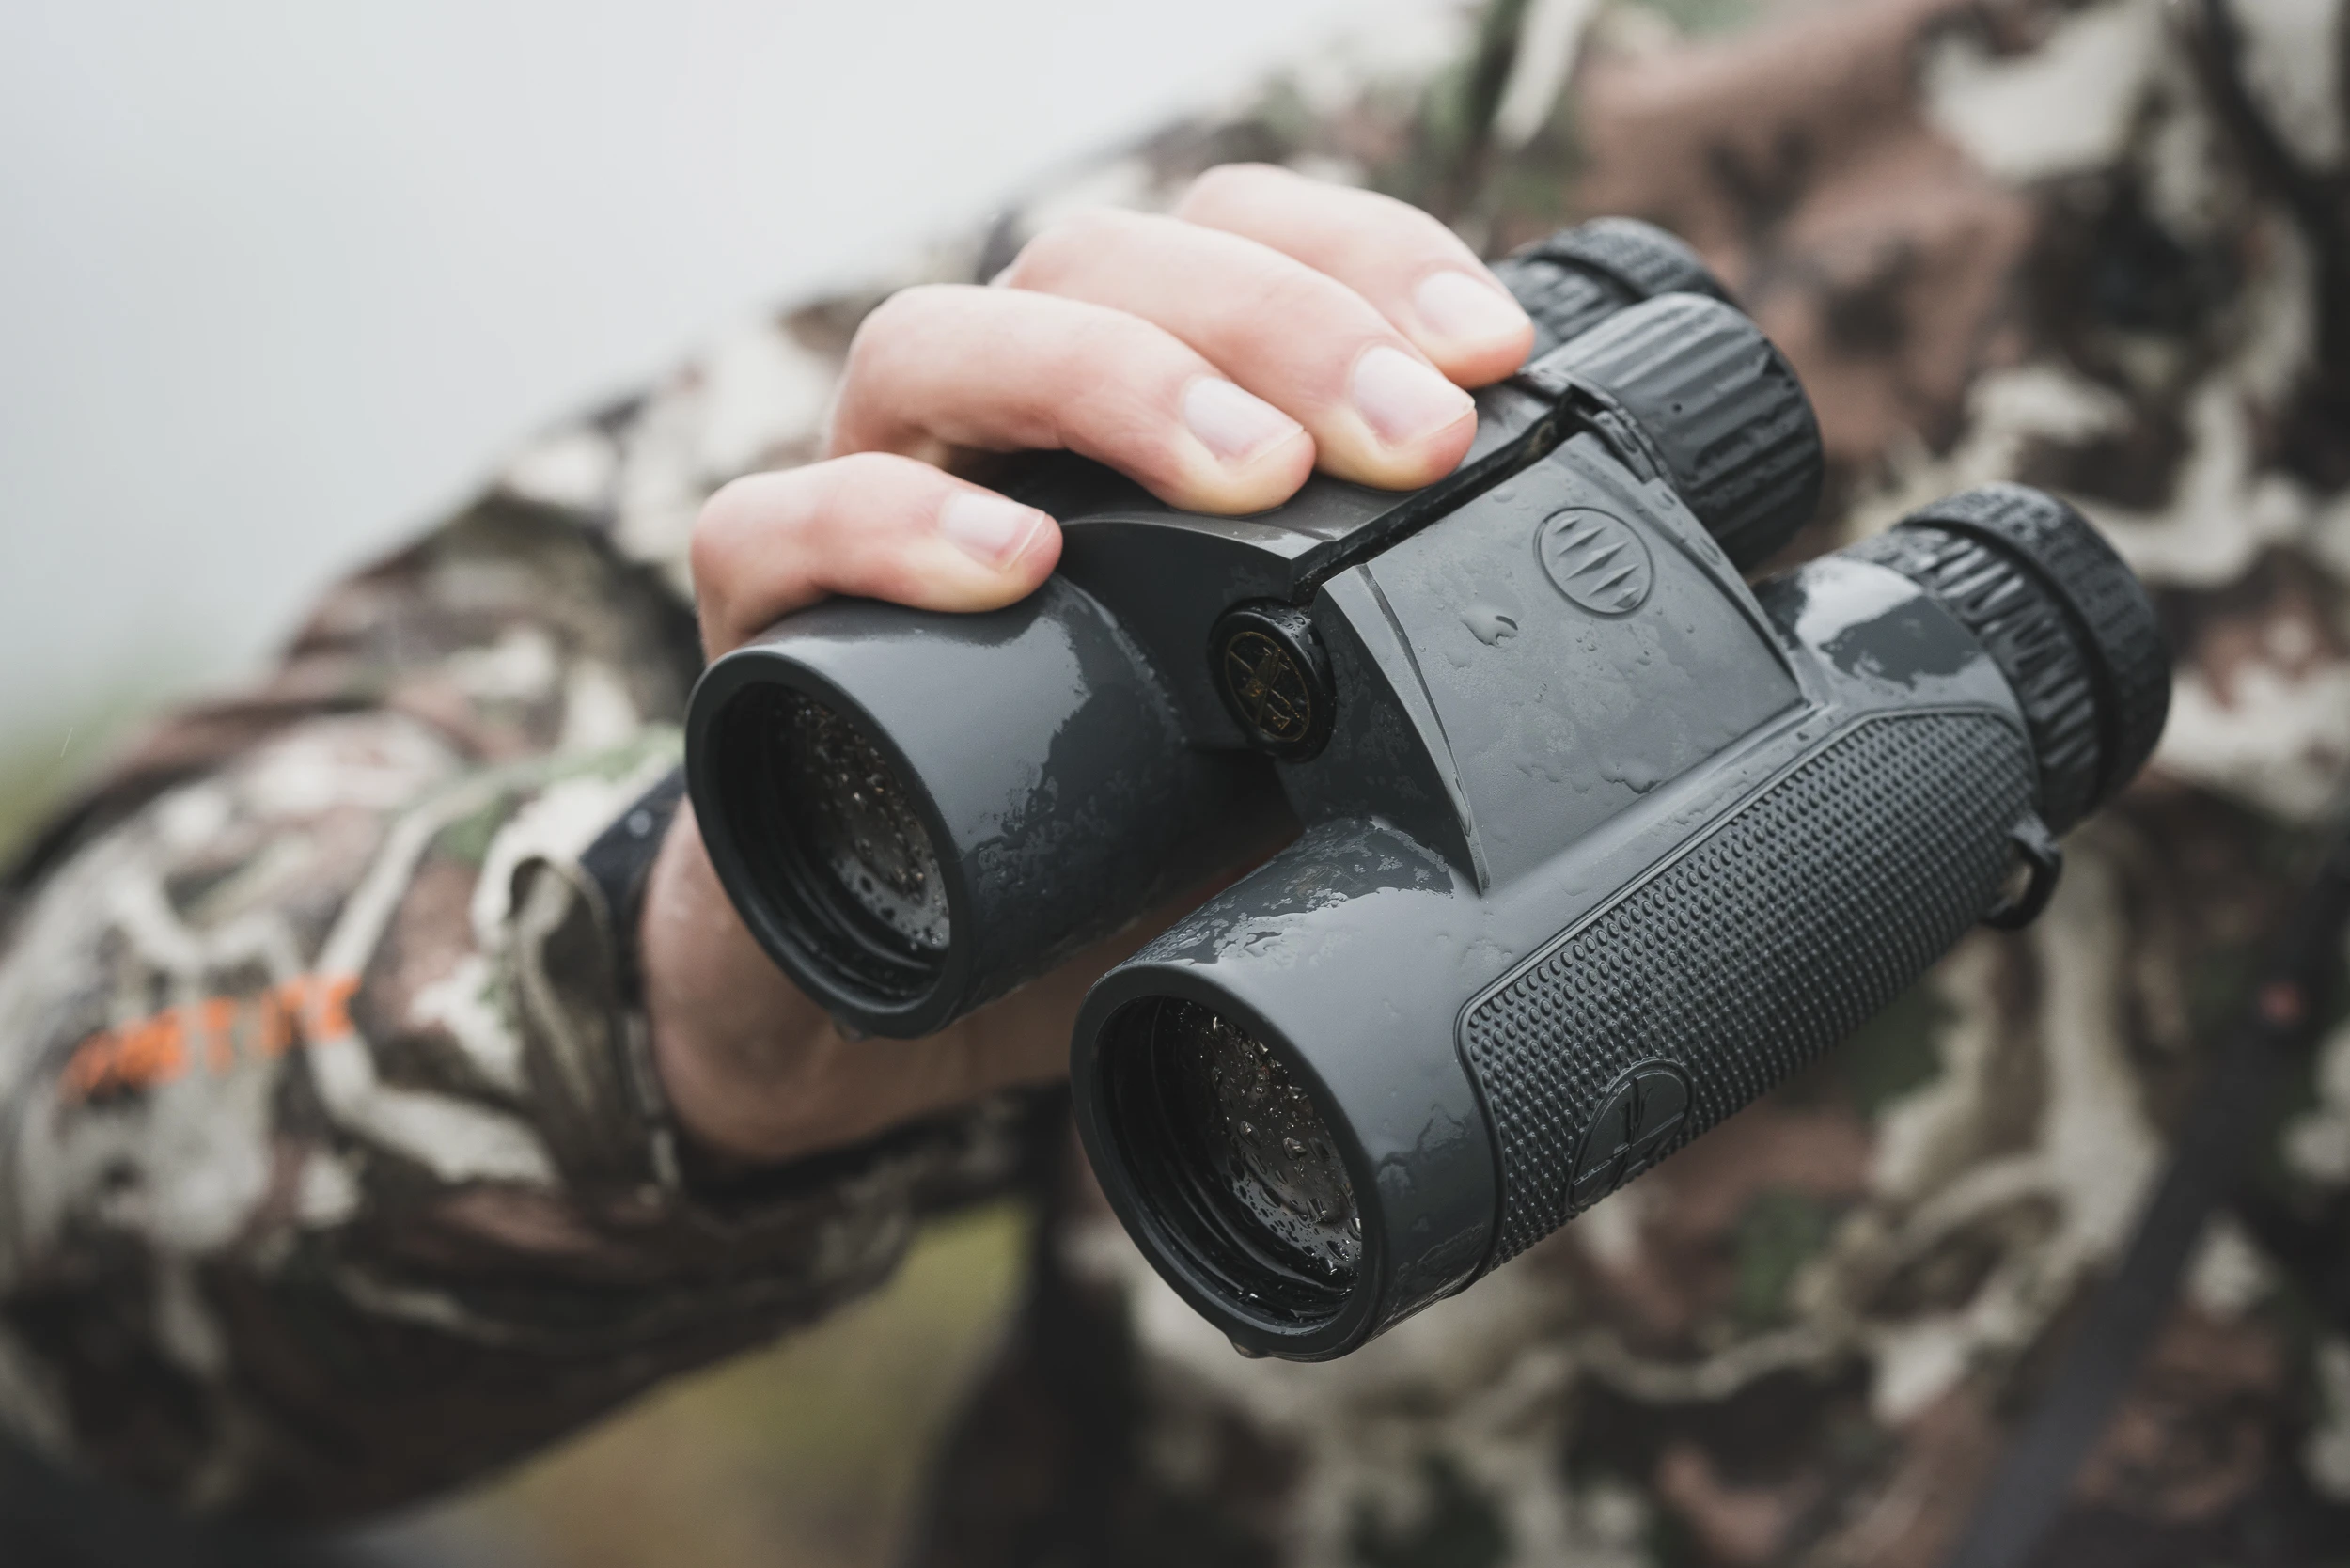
{"type": "Point", "coordinates": [1599, 841]}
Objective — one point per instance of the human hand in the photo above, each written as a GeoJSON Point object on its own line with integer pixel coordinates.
{"type": "Point", "coordinates": [1270, 326]}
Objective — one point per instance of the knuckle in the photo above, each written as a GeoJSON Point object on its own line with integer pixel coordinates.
{"type": "Point", "coordinates": [1141, 444]}
{"type": "Point", "coordinates": [1421, 226]}
{"type": "Point", "coordinates": [1091, 342]}
{"type": "Point", "coordinates": [1064, 247]}
{"type": "Point", "coordinates": [847, 492]}
{"type": "Point", "coordinates": [886, 350]}
{"type": "Point", "coordinates": [710, 559]}
{"type": "Point", "coordinates": [727, 529]}
{"type": "Point", "coordinates": [724, 517]}
{"type": "Point", "coordinates": [1227, 185]}
{"type": "Point", "coordinates": [900, 317]}
{"type": "Point", "coordinates": [1412, 235]}
{"type": "Point", "coordinates": [908, 304]}
{"type": "Point", "coordinates": [858, 477]}
{"type": "Point", "coordinates": [1333, 315]}
{"type": "Point", "coordinates": [1103, 359]}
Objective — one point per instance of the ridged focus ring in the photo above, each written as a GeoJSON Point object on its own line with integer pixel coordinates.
{"type": "Point", "coordinates": [2065, 619]}
{"type": "Point", "coordinates": [1721, 408]}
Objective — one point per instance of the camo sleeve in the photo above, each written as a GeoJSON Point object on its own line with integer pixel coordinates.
{"type": "Point", "coordinates": [330, 1169]}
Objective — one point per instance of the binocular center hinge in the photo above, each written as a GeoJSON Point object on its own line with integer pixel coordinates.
{"type": "Point", "coordinates": [1578, 404]}
{"type": "Point", "coordinates": [1269, 667]}
{"type": "Point", "coordinates": [1625, 439]}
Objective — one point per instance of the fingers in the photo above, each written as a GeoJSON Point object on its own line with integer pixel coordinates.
{"type": "Point", "coordinates": [1003, 369]}
{"type": "Point", "coordinates": [875, 526]}
{"type": "Point", "coordinates": [1215, 358]}
{"type": "Point", "coordinates": [1411, 268]}
{"type": "Point", "coordinates": [1379, 412]}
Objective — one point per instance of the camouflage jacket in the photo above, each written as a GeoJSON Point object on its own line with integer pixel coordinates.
{"type": "Point", "coordinates": [334, 1171]}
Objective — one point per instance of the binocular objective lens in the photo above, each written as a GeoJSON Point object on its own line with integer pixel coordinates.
{"type": "Point", "coordinates": [841, 866]}
{"type": "Point", "coordinates": [1268, 1145]}
{"type": "Point", "coordinates": [860, 826]}
{"type": "Point", "coordinates": [1234, 1158]}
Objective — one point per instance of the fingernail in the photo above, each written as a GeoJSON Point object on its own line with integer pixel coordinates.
{"type": "Point", "coordinates": [1403, 400]}
{"type": "Point", "coordinates": [1458, 306]}
{"type": "Point", "coordinates": [1231, 423]}
{"type": "Point", "coordinates": [988, 528]}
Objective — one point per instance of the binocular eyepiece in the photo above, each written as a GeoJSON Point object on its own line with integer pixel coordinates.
{"type": "Point", "coordinates": [1599, 842]}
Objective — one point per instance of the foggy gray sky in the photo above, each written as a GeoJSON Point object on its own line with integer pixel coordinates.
{"type": "Point", "coordinates": [279, 279]}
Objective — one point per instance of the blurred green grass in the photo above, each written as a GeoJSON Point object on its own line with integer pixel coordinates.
{"type": "Point", "coordinates": [808, 1454]}
{"type": "Point", "coordinates": [802, 1456]}
{"type": "Point", "coordinates": [40, 762]}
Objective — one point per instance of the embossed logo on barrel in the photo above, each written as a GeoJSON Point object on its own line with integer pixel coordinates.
{"type": "Point", "coordinates": [1634, 1124]}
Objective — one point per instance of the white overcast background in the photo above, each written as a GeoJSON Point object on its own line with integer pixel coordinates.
{"type": "Point", "coordinates": [278, 280]}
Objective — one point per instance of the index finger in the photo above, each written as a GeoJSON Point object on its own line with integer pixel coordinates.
{"type": "Point", "coordinates": [1413, 270]}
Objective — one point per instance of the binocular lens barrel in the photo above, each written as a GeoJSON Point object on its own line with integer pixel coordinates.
{"type": "Point", "coordinates": [916, 814]}
{"type": "Point", "coordinates": [1236, 1157]}
{"type": "Point", "coordinates": [1402, 1113]}
{"type": "Point", "coordinates": [837, 840]}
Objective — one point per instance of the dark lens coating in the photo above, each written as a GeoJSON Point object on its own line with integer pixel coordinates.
{"type": "Point", "coordinates": [1265, 1142]}
{"type": "Point", "coordinates": [1233, 1158]}
{"type": "Point", "coordinates": [842, 872]}
{"type": "Point", "coordinates": [859, 824]}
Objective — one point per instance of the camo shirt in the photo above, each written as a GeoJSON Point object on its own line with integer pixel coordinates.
{"type": "Point", "coordinates": [336, 1172]}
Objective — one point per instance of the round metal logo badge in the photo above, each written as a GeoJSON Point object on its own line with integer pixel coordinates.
{"type": "Point", "coordinates": [1596, 559]}
{"type": "Point", "coordinates": [1274, 677]}
{"type": "Point", "coordinates": [1267, 686]}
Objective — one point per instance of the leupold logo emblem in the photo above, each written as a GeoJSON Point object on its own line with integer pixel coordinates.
{"type": "Point", "coordinates": [1596, 560]}
{"type": "Point", "coordinates": [1267, 685]}
{"type": "Point", "coordinates": [1637, 1120]}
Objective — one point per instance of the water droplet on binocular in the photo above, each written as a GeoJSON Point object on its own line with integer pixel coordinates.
{"type": "Point", "coordinates": [1489, 625]}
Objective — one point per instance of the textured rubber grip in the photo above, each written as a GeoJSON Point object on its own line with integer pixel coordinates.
{"type": "Point", "coordinates": [1777, 934]}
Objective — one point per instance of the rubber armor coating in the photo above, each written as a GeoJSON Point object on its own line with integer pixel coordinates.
{"type": "Point", "coordinates": [1778, 934]}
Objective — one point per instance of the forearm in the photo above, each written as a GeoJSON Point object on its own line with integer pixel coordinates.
{"type": "Point", "coordinates": [336, 1171]}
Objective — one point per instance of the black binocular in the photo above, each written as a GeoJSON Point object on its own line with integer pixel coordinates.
{"type": "Point", "coordinates": [1599, 841]}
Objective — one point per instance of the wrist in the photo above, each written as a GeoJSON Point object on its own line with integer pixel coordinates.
{"type": "Point", "coordinates": [755, 1073]}
{"type": "Point", "coordinates": [739, 1049]}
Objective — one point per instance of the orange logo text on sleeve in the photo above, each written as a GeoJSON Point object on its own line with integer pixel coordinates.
{"type": "Point", "coordinates": [213, 1034]}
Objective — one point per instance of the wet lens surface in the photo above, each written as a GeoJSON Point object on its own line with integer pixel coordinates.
{"type": "Point", "coordinates": [1264, 1146]}
{"type": "Point", "coordinates": [859, 823]}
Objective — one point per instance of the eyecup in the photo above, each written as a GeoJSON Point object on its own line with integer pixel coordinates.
{"type": "Point", "coordinates": [1643, 259]}
{"type": "Point", "coordinates": [1580, 276]}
